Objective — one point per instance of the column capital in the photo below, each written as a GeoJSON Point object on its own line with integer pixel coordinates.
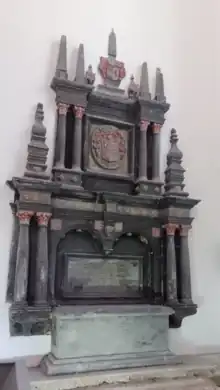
{"type": "Point", "coordinates": [171, 228]}
{"type": "Point", "coordinates": [62, 108]}
{"type": "Point", "coordinates": [144, 125]}
{"type": "Point", "coordinates": [156, 232]}
{"type": "Point", "coordinates": [156, 128]}
{"type": "Point", "coordinates": [24, 216]}
{"type": "Point", "coordinates": [79, 111]}
{"type": "Point", "coordinates": [43, 218]}
{"type": "Point", "coordinates": [184, 230]}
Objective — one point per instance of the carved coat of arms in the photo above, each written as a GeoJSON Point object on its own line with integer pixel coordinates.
{"type": "Point", "coordinates": [112, 70]}
{"type": "Point", "coordinates": [108, 147]}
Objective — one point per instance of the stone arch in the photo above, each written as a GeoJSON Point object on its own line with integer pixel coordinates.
{"type": "Point", "coordinates": [75, 241]}
{"type": "Point", "coordinates": [137, 245]}
{"type": "Point", "coordinates": [130, 243]}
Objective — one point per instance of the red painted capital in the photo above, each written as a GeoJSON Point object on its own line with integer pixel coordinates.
{"type": "Point", "coordinates": [184, 230]}
{"type": "Point", "coordinates": [43, 218]}
{"type": "Point", "coordinates": [24, 217]}
{"type": "Point", "coordinates": [156, 128]}
{"type": "Point", "coordinates": [62, 108]}
{"type": "Point", "coordinates": [155, 232]}
{"type": "Point", "coordinates": [79, 112]}
{"type": "Point", "coordinates": [144, 125]}
{"type": "Point", "coordinates": [171, 228]}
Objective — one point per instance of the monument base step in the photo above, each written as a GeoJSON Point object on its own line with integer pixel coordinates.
{"type": "Point", "coordinates": [179, 384]}
{"type": "Point", "coordinates": [196, 372]}
{"type": "Point", "coordinates": [52, 366]}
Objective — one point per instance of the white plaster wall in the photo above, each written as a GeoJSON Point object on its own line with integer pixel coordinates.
{"type": "Point", "coordinates": [181, 38]}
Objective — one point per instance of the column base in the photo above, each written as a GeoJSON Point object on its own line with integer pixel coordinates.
{"type": "Point", "coordinates": [29, 320]}
{"type": "Point", "coordinates": [72, 177]}
{"type": "Point", "coordinates": [181, 310]}
{"type": "Point", "coordinates": [148, 187]}
{"type": "Point", "coordinates": [186, 301]}
{"type": "Point", "coordinates": [52, 366]}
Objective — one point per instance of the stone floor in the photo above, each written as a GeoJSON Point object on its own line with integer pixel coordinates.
{"type": "Point", "coordinates": [202, 373]}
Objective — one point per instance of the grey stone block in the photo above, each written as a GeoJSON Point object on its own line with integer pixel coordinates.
{"type": "Point", "coordinates": [102, 338]}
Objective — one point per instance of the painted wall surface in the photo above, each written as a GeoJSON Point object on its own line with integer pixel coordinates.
{"type": "Point", "coordinates": [179, 36]}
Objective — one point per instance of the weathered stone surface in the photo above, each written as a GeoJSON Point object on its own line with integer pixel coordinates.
{"type": "Point", "coordinates": [93, 338]}
{"type": "Point", "coordinates": [195, 373]}
{"type": "Point", "coordinates": [181, 384]}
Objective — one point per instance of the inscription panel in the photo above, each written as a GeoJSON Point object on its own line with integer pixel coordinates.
{"type": "Point", "coordinates": [100, 277]}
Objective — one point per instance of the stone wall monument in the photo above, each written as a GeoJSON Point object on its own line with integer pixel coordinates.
{"type": "Point", "coordinates": [100, 243]}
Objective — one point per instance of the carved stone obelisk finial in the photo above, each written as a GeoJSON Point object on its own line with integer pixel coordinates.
{"type": "Point", "coordinates": [61, 68]}
{"type": "Point", "coordinates": [144, 92]}
{"type": "Point", "coordinates": [174, 173]}
{"type": "Point", "coordinates": [159, 90]}
{"type": "Point", "coordinates": [112, 46]}
{"type": "Point", "coordinates": [80, 66]}
{"type": "Point", "coordinates": [37, 148]}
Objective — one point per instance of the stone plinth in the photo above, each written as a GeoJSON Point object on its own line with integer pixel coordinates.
{"type": "Point", "coordinates": [90, 338]}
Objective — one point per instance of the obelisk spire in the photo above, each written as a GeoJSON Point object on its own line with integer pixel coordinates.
{"type": "Point", "coordinates": [80, 66]}
{"type": "Point", "coordinates": [144, 84]}
{"type": "Point", "coordinates": [61, 68]}
{"type": "Point", "coordinates": [159, 90]}
{"type": "Point", "coordinates": [112, 47]}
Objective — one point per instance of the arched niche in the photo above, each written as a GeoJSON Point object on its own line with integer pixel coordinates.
{"type": "Point", "coordinates": [85, 275]}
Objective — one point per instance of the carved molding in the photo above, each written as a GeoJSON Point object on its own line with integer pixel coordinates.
{"type": "Point", "coordinates": [139, 211]}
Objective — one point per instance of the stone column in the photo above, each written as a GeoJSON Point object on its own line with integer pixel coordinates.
{"type": "Point", "coordinates": [42, 259]}
{"type": "Point", "coordinates": [13, 255]}
{"type": "Point", "coordinates": [185, 283]}
{"type": "Point", "coordinates": [157, 274]}
{"type": "Point", "coordinates": [156, 152]}
{"type": "Point", "coordinates": [171, 282]}
{"type": "Point", "coordinates": [61, 133]}
{"type": "Point", "coordinates": [22, 261]}
{"type": "Point", "coordinates": [77, 145]}
{"type": "Point", "coordinates": [143, 151]}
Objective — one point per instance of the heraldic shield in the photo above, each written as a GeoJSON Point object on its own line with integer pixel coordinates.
{"type": "Point", "coordinates": [108, 146]}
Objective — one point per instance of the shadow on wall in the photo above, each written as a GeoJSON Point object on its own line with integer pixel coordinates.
{"type": "Point", "coordinates": [14, 376]}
